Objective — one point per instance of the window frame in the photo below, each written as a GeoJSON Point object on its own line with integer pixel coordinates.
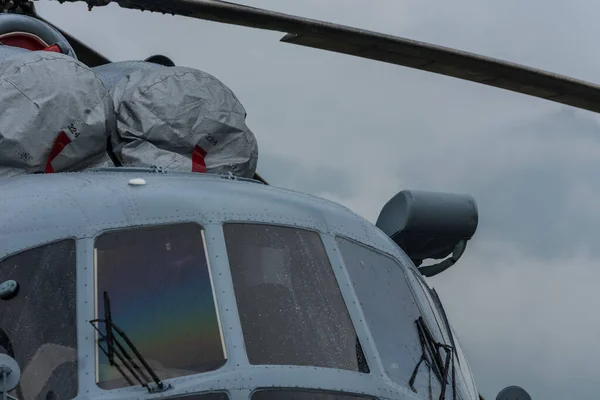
{"type": "Point", "coordinates": [438, 316]}
{"type": "Point", "coordinates": [331, 258]}
{"type": "Point", "coordinates": [95, 303]}
{"type": "Point", "coordinates": [203, 395]}
{"type": "Point", "coordinates": [299, 389]}
{"type": "Point", "coordinates": [459, 352]}
{"type": "Point", "coordinates": [436, 369]}
{"type": "Point", "coordinates": [433, 302]}
{"type": "Point", "coordinates": [37, 245]}
{"type": "Point", "coordinates": [448, 334]}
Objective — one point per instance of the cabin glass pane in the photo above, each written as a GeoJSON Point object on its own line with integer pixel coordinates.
{"type": "Point", "coordinates": [390, 312]}
{"type": "Point", "coordinates": [434, 313]}
{"type": "Point", "coordinates": [464, 366]}
{"type": "Point", "coordinates": [430, 310]}
{"type": "Point", "coordinates": [38, 326]}
{"type": "Point", "coordinates": [160, 289]}
{"type": "Point", "coordinates": [291, 308]}
{"type": "Point", "coordinates": [299, 394]}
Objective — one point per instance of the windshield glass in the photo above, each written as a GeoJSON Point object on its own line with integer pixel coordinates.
{"type": "Point", "coordinates": [431, 313]}
{"type": "Point", "coordinates": [161, 296]}
{"type": "Point", "coordinates": [434, 310]}
{"type": "Point", "coordinates": [291, 308]}
{"type": "Point", "coordinates": [463, 364]}
{"type": "Point", "coordinates": [38, 326]}
{"type": "Point", "coordinates": [391, 313]}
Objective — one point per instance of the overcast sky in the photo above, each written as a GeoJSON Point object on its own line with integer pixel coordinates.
{"type": "Point", "coordinates": [523, 298]}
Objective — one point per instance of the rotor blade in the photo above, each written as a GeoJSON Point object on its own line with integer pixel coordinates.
{"type": "Point", "coordinates": [466, 66]}
{"type": "Point", "coordinates": [386, 48]}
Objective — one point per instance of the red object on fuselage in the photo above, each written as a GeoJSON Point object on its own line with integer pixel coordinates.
{"type": "Point", "coordinates": [27, 41]}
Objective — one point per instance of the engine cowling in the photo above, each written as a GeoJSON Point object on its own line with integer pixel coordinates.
{"type": "Point", "coordinates": [430, 225]}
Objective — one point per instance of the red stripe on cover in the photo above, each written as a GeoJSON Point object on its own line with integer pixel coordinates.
{"type": "Point", "coordinates": [62, 140]}
{"type": "Point", "coordinates": [198, 163]}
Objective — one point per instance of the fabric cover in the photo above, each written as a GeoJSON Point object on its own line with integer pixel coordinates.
{"type": "Point", "coordinates": [56, 115]}
{"type": "Point", "coordinates": [9, 51]}
{"type": "Point", "coordinates": [182, 119]}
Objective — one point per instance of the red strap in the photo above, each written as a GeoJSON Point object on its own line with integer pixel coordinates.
{"type": "Point", "coordinates": [62, 140]}
{"type": "Point", "coordinates": [198, 163]}
{"type": "Point", "coordinates": [22, 41]}
{"type": "Point", "coordinates": [54, 48]}
{"type": "Point", "coordinates": [28, 42]}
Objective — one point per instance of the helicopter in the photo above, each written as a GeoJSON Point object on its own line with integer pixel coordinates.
{"type": "Point", "coordinates": [105, 243]}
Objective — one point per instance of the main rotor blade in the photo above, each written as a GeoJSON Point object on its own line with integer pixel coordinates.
{"type": "Point", "coordinates": [386, 48]}
{"type": "Point", "coordinates": [467, 66]}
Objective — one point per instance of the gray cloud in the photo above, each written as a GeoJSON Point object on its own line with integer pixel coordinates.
{"type": "Point", "coordinates": [294, 174]}
{"type": "Point", "coordinates": [534, 183]}
{"type": "Point", "coordinates": [522, 298]}
{"type": "Point", "coordinates": [526, 321]}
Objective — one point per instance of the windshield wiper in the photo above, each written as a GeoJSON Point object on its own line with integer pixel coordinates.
{"type": "Point", "coordinates": [440, 307]}
{"type": "Point", "coordinates": [429, 346]}
{"type": "Point", "coordinates": [115, 349]}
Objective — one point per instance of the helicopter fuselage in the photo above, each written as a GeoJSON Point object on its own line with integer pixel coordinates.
{"type": "Point", "coordinates": [227, 287]}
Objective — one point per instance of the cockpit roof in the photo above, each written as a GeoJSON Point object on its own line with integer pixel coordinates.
{"type": "Point", "coordinates": [44, 207]}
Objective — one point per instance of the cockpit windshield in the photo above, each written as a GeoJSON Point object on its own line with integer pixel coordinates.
{"type": "Point", "coordinates": [391, 314]}
{"type": "Point", "coordinates": [38, 325]}
{"type": "Point", "coordinates": [290, 305]}
{"type": "Point", "coordinates": [161, 296]}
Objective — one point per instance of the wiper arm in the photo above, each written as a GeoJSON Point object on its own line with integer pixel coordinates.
{"type": "Point", "coordinates": [115, 349]}
{"type": "Point", "coordinates": [110, 345]}
{"type": "Point", "coordinates": [441, 368]}
{"type": "Point", "coordinates": [439, 305]}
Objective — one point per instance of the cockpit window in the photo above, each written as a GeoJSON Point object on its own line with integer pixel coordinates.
{"type": "Point", "coordinates": [430, 310]}
{"type": "Point", "coordinates": [161, 295]}
{"type": "Point", "coordinates": [38, 325]}
{"type": "Point", "coordinates": [291, 308]}
{"type": "Point", "coordinates": [300, 394]}
{"type": "Point", "coordinates": [464, 366]}
{"type": "Point", "coordinates": [391, 313]}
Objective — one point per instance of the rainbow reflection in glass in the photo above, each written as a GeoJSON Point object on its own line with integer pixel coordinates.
{"type": "Point", "coordinates": [161, 296]}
